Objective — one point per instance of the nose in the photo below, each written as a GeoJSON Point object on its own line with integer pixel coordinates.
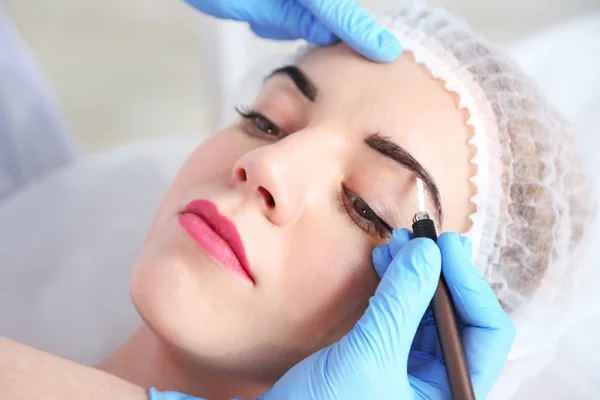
{"type": "Point", "coordinates": [275, 179]}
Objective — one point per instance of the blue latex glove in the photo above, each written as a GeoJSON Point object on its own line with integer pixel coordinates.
{"type": "Point", "coordinates": [318, 21]}
{"type": "Point", "coordinates": [393, 350]}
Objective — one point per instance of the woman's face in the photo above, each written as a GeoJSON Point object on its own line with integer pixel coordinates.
{"type": "Point", "coordinates": [313, 176]}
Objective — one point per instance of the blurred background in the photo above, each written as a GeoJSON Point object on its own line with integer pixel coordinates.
{"type": "Point", "coordinates": [132, 69]}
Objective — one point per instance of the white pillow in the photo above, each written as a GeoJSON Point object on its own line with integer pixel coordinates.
{"type": "Point", "coordinates": [67, 246]}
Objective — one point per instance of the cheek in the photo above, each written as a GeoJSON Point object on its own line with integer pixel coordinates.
{"type": "Point", "coordinates": [328, 281]}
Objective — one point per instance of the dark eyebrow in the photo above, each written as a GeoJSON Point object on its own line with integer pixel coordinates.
{"type": "Point", "coordinates": [302, 82]}
{"type": "Point", "coordinates": [388, 148]}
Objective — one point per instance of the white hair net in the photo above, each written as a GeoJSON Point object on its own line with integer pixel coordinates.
{"type": "Point", "coordinates": [534, 203]}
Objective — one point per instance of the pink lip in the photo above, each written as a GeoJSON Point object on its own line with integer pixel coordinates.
{"type": "Point", "coordinates": [216, 234]}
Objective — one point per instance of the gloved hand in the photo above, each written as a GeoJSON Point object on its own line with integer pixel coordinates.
{"type": "Point", "coordinates": [318, 21]}
{"type": "Point", "coordinates": [393, 350]}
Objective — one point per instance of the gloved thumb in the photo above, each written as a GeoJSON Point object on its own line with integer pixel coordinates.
{"type": "Point", "coordinates": [383, 336]}
{"type": "Point", "coordinates": [383, 254]}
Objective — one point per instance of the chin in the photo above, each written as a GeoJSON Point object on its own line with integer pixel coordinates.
{"type": "Point", "coordinates": [208, 330]}
{"type": "Point", "coordinates": [191, 307]}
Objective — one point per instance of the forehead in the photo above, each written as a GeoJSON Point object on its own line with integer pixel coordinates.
{"type": "Point", "coordinates": [400, 96]}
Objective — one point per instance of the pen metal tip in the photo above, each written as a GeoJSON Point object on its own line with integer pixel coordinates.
{"type": "Point", "coordinates": [420, 195]}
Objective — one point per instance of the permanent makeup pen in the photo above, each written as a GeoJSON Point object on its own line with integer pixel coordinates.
{"type": "Point", "coordinates": [444, 313]}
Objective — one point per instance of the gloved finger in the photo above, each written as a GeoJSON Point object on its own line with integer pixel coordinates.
{"type": "Point", "coordinates": [385, 332]}
{"type": "Point", "coordinates": [399, 239]}
{"type": "Point", "coordinates": [467, 246]}
{"type": "Point", "coordinates": [489, 333]}
{"type": "Point", "coordinates": [299, 22]}
{"type": "Point", "coordinates": [383, 255]}
{"type": "Point", "coordinates": [354, 25]}
{"type": "Point", "coordinates": [271, 33]}
{"type": "Point", "coordinates": [381, 259]}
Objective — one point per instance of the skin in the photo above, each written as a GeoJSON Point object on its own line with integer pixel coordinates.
{"type": "Point", "coordinates": [29, 374]}
{"type": "Point", "coordinates": [209, 332]}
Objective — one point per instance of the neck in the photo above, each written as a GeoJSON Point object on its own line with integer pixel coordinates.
{"type": "Point", "coordinates": [147, 361]}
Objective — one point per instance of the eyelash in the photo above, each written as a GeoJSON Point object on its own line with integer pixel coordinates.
{"type": "Point", "coordinates": [365, 219]}
{"type": "Point", "coordinates": [256, 118]}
